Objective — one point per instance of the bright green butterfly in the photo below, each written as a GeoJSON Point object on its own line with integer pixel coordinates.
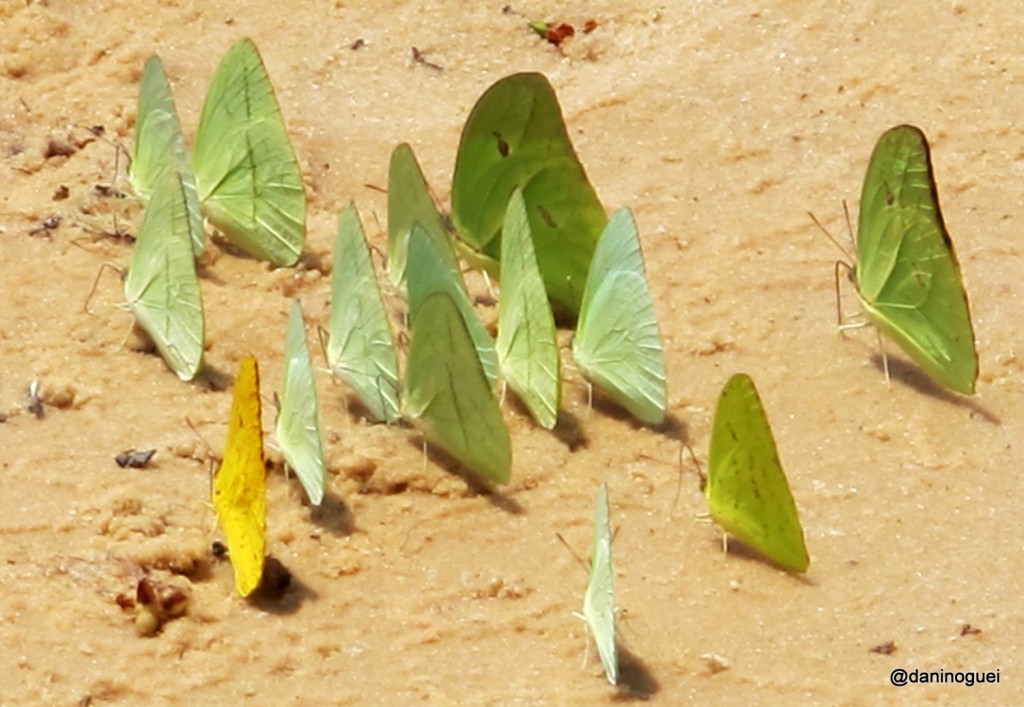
{"type": "Point", "coordinates": [428, 272]}
{"type": "Point", "coordinates": [409, 202]}
{"type": "Point", "coordinates": [161, 286]}
{"type": "Point", "coordinates": [448, 397]}
{"type": "Point", "coordinates": [907, 275]}
{"type": "Point", "coordinates": [361, 348]}
{"type": "Point", "coordinates": [599, 601]}
{"type": "Point", "coordinates": [617, 342]}
{"type": "Point", "coordinates": [527, 346]}
{"type": "Point", "coordinates": [160, 146]}
{"type": "Point", "coordinates": [516, 137]}
{"type": "Point", "coordinates": [249, 180]}
{"type": "Point", "coordinates": [746, 487]}
{"type": "Point", "coordinates": [298, 423]}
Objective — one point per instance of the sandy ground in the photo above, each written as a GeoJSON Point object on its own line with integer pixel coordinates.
{"type": "Point", "coordinates": [720, 128]}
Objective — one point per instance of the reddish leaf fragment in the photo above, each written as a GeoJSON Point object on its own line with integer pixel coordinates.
{"type": "Point", "coordinates": [553, 33]}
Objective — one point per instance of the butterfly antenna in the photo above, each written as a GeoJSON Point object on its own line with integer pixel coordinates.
{"type": "Point", "coordinates": [322, 336]}
{"type": "Point", "coordinates": [380, 254]}
{"type": "Point", "coordinates": [211, 458]}
{"type": "Point", "coordinates": [828, 234]}
{"type": "Point", "coordinates": [696, 463]}
{"type": "Point", "coordinates": [275, 400]}
{"type": "Point", "coordinates": [849, 224]}
{"type": "Point", "coordinates": [95, 284]}
{"type": "Point", "coordinates": [679, 477]}
{"type": "Point", "coordinates": [572, 552]}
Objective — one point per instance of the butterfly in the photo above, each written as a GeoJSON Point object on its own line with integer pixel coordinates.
{"type": "Point", "coordinates": [515, 136]}
{"type": "Point", "coordinates": [248, 178]}
{"type": "Point", "coordinates": [747, 491]}
{"type": "Point", "coordinates": [527, 346]}
{"type": "Point", "coordinates": [298, 422]}
{"type": "Point", "coordinates": [618, 343]}
{"type": "Point", "coordinates": [161, 287]}
{"type": "Point", "coordinates": [907, 275]}
{"type": "Point", "coordinates": [240, 486]}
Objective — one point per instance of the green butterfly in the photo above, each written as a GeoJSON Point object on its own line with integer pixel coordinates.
{"type": "Point", "coordinates": [409, 202]}
{"type": "Point", "coordinates": [746, 487]}
{"type": "Point", "coordinates": [599, 601]}
{"type": "Point", "coordinates": [160, 146]}
{"type": "Point", "coordinates": [430, 271]}
{"type": "Point", "coordinates": [161, 286]}
{"type": "Point", "coordinates": [249, 181]}
{"type": "Point", "coordinates": [447, 396]}
{"type": "Point", "coordinates": [298, 423]}
{"type": "Point", "coordinates": [361, 347]}
{"type": "Point", "coordinates": [527, 346]}
{"type": "Point", "coordinates": [617, 343]}
{"type": "Point", "coordinates": [515, 137]}
{"type": "Point", "coordinates": [907, 275]}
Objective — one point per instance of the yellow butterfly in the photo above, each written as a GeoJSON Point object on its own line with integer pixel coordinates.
{"type": "Point", "coordinates": [240, 487]}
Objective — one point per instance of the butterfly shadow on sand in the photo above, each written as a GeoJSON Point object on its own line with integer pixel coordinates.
{"type": "Point", "coordinates": [912, 376]}
{"type": "Point", "coordinates": [636, 682]}
{"type": "Point", "coordinates": [280, 592]}
{"type": "Point", "coordinates": [671, 427]}
{"type": "Point", "coordinates": [474, 484]}
{"type": "Point", "coordinates": [739, 549]}
{"type": "Point", "coordinates": [333, 515]}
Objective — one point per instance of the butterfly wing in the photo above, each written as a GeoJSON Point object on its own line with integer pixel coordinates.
{"type": "Point", "coordinates": [240, 487]}
{"type": "Point", "coordinates": [527, 347]}
{"type": "Point", "coordinates": [908, 276]}
{"type": "Point", "coordinates": [618, 343]}
{"type": "Point", "coordinates": [747, 490]}
{"type": "Point", "coordinates": [249, 181]}
{"type": "Point", "coordinates": [160, 146]}
{"type": "Point", "coordinates": [161, 286]}
{"type": "Point", "coordinates": [409, 202]}
{"type": "Point", "coordinates": [448, 397]}
{"type": "Point", "coordinates": [430, 271]}
{"type": "Point", "coordinates": [515, 137]}
{"type": "Point", "coordinates": [361, 347]}
{"type": "Point", "coordinates": [298, 424]}
{"type": "Point", "coordinates": [599, 600]}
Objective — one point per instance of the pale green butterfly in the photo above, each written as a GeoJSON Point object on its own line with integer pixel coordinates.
{"type": "Point", "coordinates": [515, 137]}
{"type": "Point", "coordinates": [746, 487]}
{"type": "Point", "coordinates": [429, 271]}
{"type": "Point", "coordinates": [527, 346]}
{"type": "Point", "coordinates": [361, 347]}
{"type": "Point", "coordinates": [907, 275]}
{"type": "Point", "coordinates": [161, 286]}
{"type": "Point", "coordinates": [160, 146]}
{"type": "Point", "coordinates": [617, 343]}
{"type": "Point", "coordinates": [298, 422]}
{"type": "Point", "coordinates": [409, 202]}
{"type": "Point", "coordinates": [448, 397]}
{"type": "Point", "coordinates": [249, 181]}
{"type": "Point", "coordinates": [599, 601]}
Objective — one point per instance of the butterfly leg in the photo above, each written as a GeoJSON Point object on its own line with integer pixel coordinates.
{"type": "Point", "coordinates": [885, 359]}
